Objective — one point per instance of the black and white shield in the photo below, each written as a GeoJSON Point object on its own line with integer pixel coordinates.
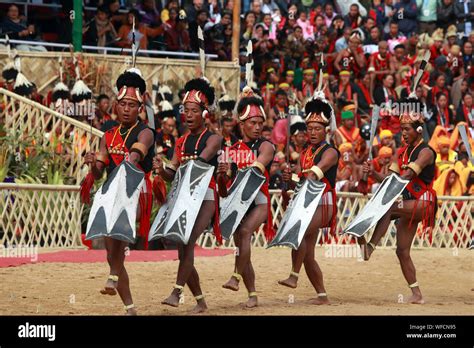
{"type": "Point", "coordinates": [387, 193]}
{"type": "Point", "coordinates": [241, 194]}
{"type": "Point", "coordinates": [114, 210]}
{"type": "Point", "coordinates": [176, 218]}
{"type": "Point", "coordinates": [299, 214]}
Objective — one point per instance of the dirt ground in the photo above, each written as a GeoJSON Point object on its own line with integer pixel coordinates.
{"type": "Point", "coordinates": [376, 287]}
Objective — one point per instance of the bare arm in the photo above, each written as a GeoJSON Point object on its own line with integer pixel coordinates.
{"type": "Point", "coordinates": [425, 158]}
{"type": "Point", "coordinates": [213, 145]}
{"type": "Point", "coordinates": [146, 138]}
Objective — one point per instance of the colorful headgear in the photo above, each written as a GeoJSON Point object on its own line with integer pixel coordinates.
{"type": "Point", "coordinates": [412, 112]}
{"type": "Point", "coordinates": [309, 71]}
{"type": "Point", "coordinates": [386, 133]}
{"type": "Point", "coordinates": [347, 115]}
{"type": "Point", "coordinates": [284, 85]}
{"type": "Point", "coordinates": [199, 91]}
{"type": "Point", "coordinates": [451, 31]}
{"type": "Point", "coordinates": [131, 85]}
{"type": "Point", "coordinates": [345, 147]}
{"type": "Point", "coordinates": [290, 73]}
{"type": "Point", "coordinates": [297, 124]}
{"type": "Point", "coordinates": [250, 105]}
{"type": "Point", "coordinates": [443, 141]}
{"type": "Point", "coordinates": [438, 35]}
{"type": "Point", "coordinates": [344, 73]}
{"type": "Point", "coordinates": [385, 151]}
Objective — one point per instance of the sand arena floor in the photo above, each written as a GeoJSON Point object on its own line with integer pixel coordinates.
{"type": "Point", "coordinates": [376, 287]}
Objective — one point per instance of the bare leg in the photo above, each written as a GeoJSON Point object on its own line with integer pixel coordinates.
{"type": "Point", "coordinates": [380, 230]}
{"type": "Point", "coordinates": [115, 259]}
{"type": "Point", "coordinates": [405, 237]}
{"type": "Point", "coordinates": [250, 223]}
{"type": "Point", "coordinates": [186, 264]}
{"type": "Point", "coordinates": [313, 271]}
{"type": "Point", "coordinates": [298, 256]}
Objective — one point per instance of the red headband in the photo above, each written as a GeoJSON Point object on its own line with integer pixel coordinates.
{"type": "Point", "coordinates": [197, 97]}
{"type": "Point", "coordinates": [131, 93]}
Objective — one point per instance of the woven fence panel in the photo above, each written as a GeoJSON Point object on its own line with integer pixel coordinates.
{"type": "Point", "coordinates": [101, 71]}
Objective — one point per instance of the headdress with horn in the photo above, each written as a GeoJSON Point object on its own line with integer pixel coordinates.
{"type": "Point", "coordinates": [318, 108]}
{"type": "Point", "coordinates": [199, 90]}
{"type": "Point", "coordinates": [250, 104]}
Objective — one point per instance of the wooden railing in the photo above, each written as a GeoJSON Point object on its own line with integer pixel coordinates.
{"type": "Point", "coordinates": [454, 227]}
{"type": "Point", "coordinates": [40, 215]}
{"type": "Point", "coordinates": [50, 216]}
{"type": "Point", "coordinates": [33, 119]}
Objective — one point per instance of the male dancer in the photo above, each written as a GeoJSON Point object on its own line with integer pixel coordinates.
{"type": "Point", "coordinates": [130, 141]}
{"type": "Point", "coordinates": [318, 162]}
{"type": "Point", "coordinates": [416, 162]}
{"type": "Point", "coordinates": [198, 144]}
{"type": "Point", "coordinates": [257, 152]}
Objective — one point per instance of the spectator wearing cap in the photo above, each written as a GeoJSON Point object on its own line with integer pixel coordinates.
{"type": "Point", "coordinates": [345, 92]}
{"type": "Point", "coordinates": [463, 11]}
{"type": "Point", "coordinates": [445, 157]}
{"type": "Point", "coordinates": [353, 19]}
{"type": "Point", "coordinates": [307, 85]}
{"type": "Point", "coordinates": [406, 16]}
{"type": "Point", "coordinates": [347, 171]}
{"type": "Point", "coordinates": [380, 165]}
{"type": "Point", "coordinates": [385, 140]}
{"type": "Point", "coordinates": [437, 45]}
{"type": "Point", "coordinates": [347, 132]}
{"type": "Point", "coordinates": [142, 32]}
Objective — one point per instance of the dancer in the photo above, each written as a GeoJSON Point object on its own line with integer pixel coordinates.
{"type": "Point", "coordinates": [416, 163]}
{"type": "Point", "coordinates": [130, 142]}
{"type": "Point", "coordinates": [318, 166]}
{"type": "Point", "coordinates": [199, 147]}
{"type": "Point", "coordinates": [252, 151]}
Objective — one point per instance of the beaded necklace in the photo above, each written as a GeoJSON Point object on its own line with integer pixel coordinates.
{"type": "Point", "coordinates": [193, 157]}
{"type": "Point", "coordinates": [405, 159]}
{"type": "Point", "coordinates": [309, 155]}
{"type": "Point", "coordinates": [119, 149]}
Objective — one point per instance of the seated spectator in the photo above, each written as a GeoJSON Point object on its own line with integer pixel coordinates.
{"type": "Point", "coordinates": [17, 28]}
{"type": "Point", "coordinates": [142, 32]}
{"type": "Point", "coordinates": [176, 33]}
{"type": "Point", "coordinates": [100, 31]}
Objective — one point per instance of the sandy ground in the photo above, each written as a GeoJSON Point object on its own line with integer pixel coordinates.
{"type": "Point", "coordinates": [355, 288]}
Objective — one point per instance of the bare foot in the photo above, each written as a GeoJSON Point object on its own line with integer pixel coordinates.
{"type": "Point", "coordinates": [172, 300]}
{"type": "Point", "coordinates": [109, 288]}
{"type": "Point", "coordinates": [252, 302]}
{"type": "Point", "coordinates": [131, 312]}
{"type": "Point", "coordinates": [232, 284]}
{"type": "Point", "coordinates": [416, 299]}
{"type": "Point", "coordinates": [320, 300]}
{"type": "Point", "coordinates": [200, 307]}
{"type": "Point", "coordinates": [290, 282]}
{"type": "Point", "coordinates": [365, 248]}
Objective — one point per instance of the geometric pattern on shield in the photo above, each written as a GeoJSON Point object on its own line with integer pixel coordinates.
{"type": "Point", "coordinates": [177, 216]}
{"type": "Point", "coordinates": [114, 210]}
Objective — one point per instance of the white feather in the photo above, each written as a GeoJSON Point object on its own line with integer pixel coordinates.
{"type": "Point", "coordinates": [80, 88]}
{"type": "Point", "coordinates": [60, 87]}
{"type": "Point", "coordinates": [21, 80]}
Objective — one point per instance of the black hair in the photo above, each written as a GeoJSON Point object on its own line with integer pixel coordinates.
{"type": "Point", "coordinates": [60, 94]}
{"type": "Point", "coordinates": [102, 96]}
{"type": "Point", "coordinates": [10, 74]}
{"type": "Point", "coordinates": [248, 101]}
{"type": "Point", "coordinates": [131, 79]}
{"type": "Point", "coordinates": [24, 90]}
{"type": "Point", "coordinates": [203, 86]}
{"type": "Point", "coordinates": [280, 92]}
{"type": "Point", "coordinates": [319, 106]}
{"type": "Point", "coordinates": [227, 105]}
